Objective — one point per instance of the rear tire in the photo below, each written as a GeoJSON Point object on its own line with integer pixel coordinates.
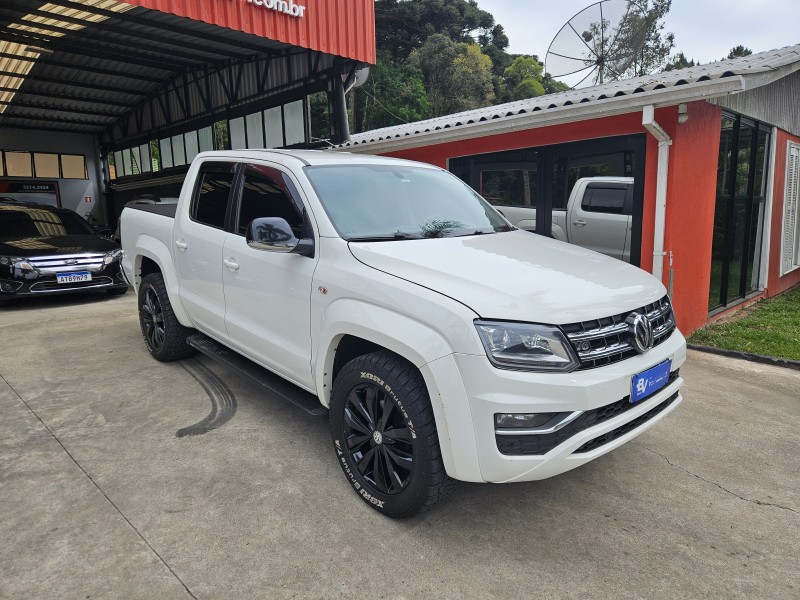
{"type": "Point", "coordinates": [163, 334]}
{"type": "Point", "coordinates": [384, 435]}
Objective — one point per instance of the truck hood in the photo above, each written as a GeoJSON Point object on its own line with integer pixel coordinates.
{"type": "Point", "coordinates": [516, 276]}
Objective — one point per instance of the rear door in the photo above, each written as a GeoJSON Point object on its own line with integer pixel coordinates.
{"type": "Point", "coordinates": [268, 294]}
{"type": "Point", "coordinates": [600, 219]}
{"type": "Point", "coordinates": [199, 236]}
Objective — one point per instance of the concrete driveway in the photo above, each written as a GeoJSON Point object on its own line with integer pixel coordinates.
{"type": "Point", "coordinates": [101, 499]}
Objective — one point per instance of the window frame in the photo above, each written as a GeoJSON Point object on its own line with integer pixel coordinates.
{"type": "Point", "coordinates": [791, 187]}
{"type": "Point", "coordinates": [219, 167]}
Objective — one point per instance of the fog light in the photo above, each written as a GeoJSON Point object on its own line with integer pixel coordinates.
{"type": "Point", "coordinates": [10, 286]}
{"type": "Point", "coordinates": [521, 420]}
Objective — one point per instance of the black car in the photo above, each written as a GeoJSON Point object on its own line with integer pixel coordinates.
{"type": "Point", "coordinates": [48, 250]}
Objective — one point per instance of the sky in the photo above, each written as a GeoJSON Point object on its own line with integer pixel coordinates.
{"type": "Point", "coordinates": [705, 30]}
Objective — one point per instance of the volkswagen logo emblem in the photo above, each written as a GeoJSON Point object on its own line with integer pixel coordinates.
{"type": "Point", "coordinates": [641, 330]}
{"type": "Point", "coordinates": [70, 261]}
{"type": "Point", "coordinates": [377, 437]}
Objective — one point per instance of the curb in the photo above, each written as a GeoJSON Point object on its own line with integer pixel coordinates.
{"type": "Point", "coordinates": [786, 363]}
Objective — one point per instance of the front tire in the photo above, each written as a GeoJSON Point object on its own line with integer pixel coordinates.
{"type": "Point", "coordinates": [385, 436]}
{"type": "Point", "coordinates": [163, 334]}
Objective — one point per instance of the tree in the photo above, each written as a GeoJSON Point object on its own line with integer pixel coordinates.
{"type": "Point", "coordinates": [523, 78]}
{"type": "Point", "coordinates": [738, 51]}
{"type": "Point", "coordinates": [640, 45]}
{"type": "Point", "coordinates": [679, 61]}
{"type": "Point", "coordinates": [393, 94]}
{"type": "Point", "coordinates": [457, 76]}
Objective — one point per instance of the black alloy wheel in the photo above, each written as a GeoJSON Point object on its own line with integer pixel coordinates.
{"type": "Point", "coordinates": [384, 435]}
{"type": "Point", "coordinates": [152, 319]}
{"type": "Point", "coordinates": [164, 335]}
{"type": "Point", "coordinates": [378, 438]}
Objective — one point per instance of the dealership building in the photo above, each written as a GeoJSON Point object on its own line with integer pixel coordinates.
{"type": "Point", "coordinates": [103, 101]}
{"type": "Point", "coordinates": [713, 152]}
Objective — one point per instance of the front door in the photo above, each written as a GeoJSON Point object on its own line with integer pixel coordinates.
{"type": "Point", "coordinates": [268, 294]}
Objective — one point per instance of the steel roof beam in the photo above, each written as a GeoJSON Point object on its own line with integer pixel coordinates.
{"type": "Point", "coordinates": [60, 109]}
{"type": "Point", "coordinates": [26, 91]}
{"type": "Point", "coordinates": [83, 129]}
{"type": "Point", "coordinates": [93, 27]}
{"type": "Point", "coordinates": [66, 65]}
{"type": "Point", "coordinates": [78, 84]}
{"type": "Point", "coordinates": [26, 117]}
{"type": "Point", "coordinates": [143, 20]}
{"type": "Point", "coordinates": [99, 52]}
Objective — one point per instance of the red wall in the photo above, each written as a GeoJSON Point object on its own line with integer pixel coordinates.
{"type": "Point", "coordinates": [341, 27]}
{"type": "Point", "coordinates": [691, 188]}
{"type": "Point", "coordinates": [775, 283]}
{"type": "Point", "coordinates": [691, 199]}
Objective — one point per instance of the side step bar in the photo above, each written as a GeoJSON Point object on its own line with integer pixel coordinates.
{"type": "Point", "coordinates": [277, 385]}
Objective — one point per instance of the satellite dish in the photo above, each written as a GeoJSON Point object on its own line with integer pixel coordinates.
{"type": "Point", "coordinates": [599, 44]}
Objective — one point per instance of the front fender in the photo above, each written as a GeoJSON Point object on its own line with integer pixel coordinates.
{"type": "Point", "coordinates": [426, 349]}
{"type": "Point", "coordinates": [147, 246]}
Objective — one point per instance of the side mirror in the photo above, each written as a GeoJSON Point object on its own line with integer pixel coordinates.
{"type": "Point", "coordinates": [274, 235]}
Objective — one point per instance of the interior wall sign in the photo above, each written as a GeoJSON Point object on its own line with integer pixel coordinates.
{"type": "Point", "coordinates": [285, 6]}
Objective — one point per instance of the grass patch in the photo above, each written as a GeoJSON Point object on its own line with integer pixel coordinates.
{"type": "Point", "coordinates": [769, 327]}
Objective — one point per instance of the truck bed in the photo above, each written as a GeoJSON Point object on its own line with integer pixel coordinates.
{"type": "Point", "coordinates": [167, 210]}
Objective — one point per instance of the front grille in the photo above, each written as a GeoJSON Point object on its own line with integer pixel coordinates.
{"type": "Point", "coordinates": [52, 286]}
{"type": "Point", "coordinates": [608, 340]}
{"type": "Point", "coordinates": [66, 263]}
{"type": "Point", "coordinates": [623, 429]}
{"type": "Point", "coordinates": [526, 445]}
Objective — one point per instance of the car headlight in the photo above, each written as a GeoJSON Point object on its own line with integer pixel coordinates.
{"type": "Point", "coordinates": [112, 256]}
{"type": "Point", "coordinates": [527, 346]}
{"type": "Point", "coordinates": [16, 261]}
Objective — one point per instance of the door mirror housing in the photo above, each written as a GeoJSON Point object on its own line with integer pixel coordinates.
{"type": "Point", "coordinates": [273, 234]}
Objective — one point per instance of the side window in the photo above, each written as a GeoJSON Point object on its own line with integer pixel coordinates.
{"type": "Point", "coordinates": [266, 193]}
{"type": "Point", "coordinates": [604, 200]}
{"type": "Point", "coordinates": [212, 195]}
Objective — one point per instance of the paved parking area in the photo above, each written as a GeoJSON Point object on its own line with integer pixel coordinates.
{"type": "Point", "coordinates": [101, 499]}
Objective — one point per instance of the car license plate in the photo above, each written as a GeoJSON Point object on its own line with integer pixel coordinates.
{"type": "Point", "coordinates": [650, 381]}
{"type": "Point", "coordinates": [73, 277]}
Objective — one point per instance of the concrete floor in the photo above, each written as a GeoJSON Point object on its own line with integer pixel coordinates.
{"type": "Point", "coordinates": [100, 499]}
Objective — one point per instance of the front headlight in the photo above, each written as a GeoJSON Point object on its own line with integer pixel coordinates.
{"type": "Point", "coordinates": [16, 261]}
{"type": "Point", "coordinates": [112, 256]}
{"type": "Point", "coordinates": [527, 346]}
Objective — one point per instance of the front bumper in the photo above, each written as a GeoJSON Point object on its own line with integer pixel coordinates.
{"type": "Point", "coordinates": [15, 283]}
{"type": "Point", "coordinates": [599, 394]}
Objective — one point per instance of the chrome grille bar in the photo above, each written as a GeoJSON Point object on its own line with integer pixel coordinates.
{"type": "Point", "coordinates": [606, 341]}
{"type": "Point", "coordinates": [65, 263]}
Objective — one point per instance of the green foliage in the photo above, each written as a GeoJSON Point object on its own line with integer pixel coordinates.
{"type": "Point", "coordinates": [679, 61]}
{"type": "Point", "coordinates": [523, 78]}
{"type": "Point", "coordinates": [393, 94]}
{"type": "Point", "coordinates": [457, 76]}
{"type": "Point", "coordinates": [771, 327]}
{"type": "Point", "coordinates": [738, 51]}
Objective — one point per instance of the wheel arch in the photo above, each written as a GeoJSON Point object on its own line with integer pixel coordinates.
{"type": "Point", "coordinates": [354, 328]}
{"type": "Point", "coordinates": [152, 256]}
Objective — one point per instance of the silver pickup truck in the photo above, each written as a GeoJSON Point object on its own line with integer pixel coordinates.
{"type": "Point", "coordinates": [597, 217]}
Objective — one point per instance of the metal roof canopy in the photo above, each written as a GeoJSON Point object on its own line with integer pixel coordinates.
{"type": "Point", "coordinates": [129, 74]}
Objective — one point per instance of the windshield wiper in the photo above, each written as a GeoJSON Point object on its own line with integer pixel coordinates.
{"type": "Point", "coordinates": [397, 235]}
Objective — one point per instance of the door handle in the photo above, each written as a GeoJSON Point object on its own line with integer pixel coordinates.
{"type": "Point", "coordinates": [181, 244]}
{"type": "Point", "coordinates": [579, 223]}
{"type": "Point", "coordinates": [231, 264]}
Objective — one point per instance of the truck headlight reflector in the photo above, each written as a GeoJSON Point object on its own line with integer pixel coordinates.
{"type": "Point", "coordinates": [526, 346]}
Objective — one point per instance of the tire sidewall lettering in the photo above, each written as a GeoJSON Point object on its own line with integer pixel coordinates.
{"type": "Point", "coordinates": [366, 375]}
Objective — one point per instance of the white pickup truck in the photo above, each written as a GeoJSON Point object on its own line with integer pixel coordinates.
{"type": "Point", "coordinates": [443, 343]}
{"type": "Point", "coordinates": [598, 216]}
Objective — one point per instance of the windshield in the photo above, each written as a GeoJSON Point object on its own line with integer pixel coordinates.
{"type": "Point", "coordinates": [18, 222]}
{"type": "Point", "coordinates": [373, 203]}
